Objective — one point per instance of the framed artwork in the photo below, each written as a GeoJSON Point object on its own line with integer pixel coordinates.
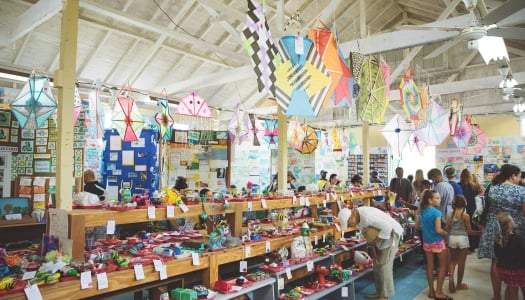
{"type": "Point", "coordinates": [5, 118]}
{"type": "Point", "coordinates": [28, 133]}
{"type": "Point", "coordinates": [15, 205]}
{"type": "Point", "coordinates": [42, 166]}
{"type": "Point", "coordinates": [15, 124]}
{"type": "Point", "coordinates": [4, 134]}
{"type": "Point", "coordinates": [14, 139]}
{"type": "Point", "coordinates": [41, 133]}
{"type": "Point", "coordinates": [51, 145]}
{"type": "Point", "coordinates": [27, 146]}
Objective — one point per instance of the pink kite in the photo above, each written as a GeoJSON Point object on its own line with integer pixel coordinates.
{"type": "Point", "coordinates": [194, 105]}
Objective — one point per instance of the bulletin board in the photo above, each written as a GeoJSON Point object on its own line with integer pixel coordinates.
{"type": "Point", "coordinates": [131, 164]}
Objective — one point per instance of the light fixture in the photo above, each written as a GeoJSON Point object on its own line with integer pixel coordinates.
{"type": "Point", "coordinates": [519, 108]}
{"type": "Point", "coordinates": [492, 48]}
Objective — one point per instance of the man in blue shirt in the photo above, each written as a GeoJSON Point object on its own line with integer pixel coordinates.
{"type": "Point", "coordinates": [450, 173]}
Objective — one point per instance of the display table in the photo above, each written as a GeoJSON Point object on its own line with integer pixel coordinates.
{"type": "Point", "coordinates": [263, 289]}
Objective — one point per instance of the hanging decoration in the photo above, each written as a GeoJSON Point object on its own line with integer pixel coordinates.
{"type": "Point", "coordinates": [356, 61]}
{"type": "Point", "coordinates": [270, 132]}
{"type": "Point", "coordinates": [127, 119]}
{"type": "Point", "coordinates": [372, 103]}
{"type": "Point", "coordinates": [239, 125]}
{"type": "Point", "coordinates": [302, 79]}
{"type": "Point", "coordinates": [385, 71]}
{"type": "Point", "coordinates": [309, 141]}
{"type": "Point", "coordinates": [164, 119]}
{"type": "Point", "coordinates": [77, 106]}
{"type": "Point", "coordinates": [336, 141]}
{"type": "Point", "coordinates": [35, 103]}
{"type": "Point", "coordinates": [477, 140]}
{"type": "Point", "coordinates": [462, 136]}
{"type": "Point", "coordinates": [258, 42]}
{"type": "Point", "coordinates": [397, 132]}
{"type": "Point", "coordinates": [455, 118]}
{"type": "Point", "coordinates": [409, 95]}
{"type": "Point", "coordinates": [256, 128]}
{"type": "Point", "coordinates": [194, 105]}
{"type": "Point", "coordinates": [295, 134]}
{"type": "Point", "coordinates": [416, 144]}
{"type": "Point", "coordinates": [436, 129]}
{"type": "Point", "coordinates": [96, 112]}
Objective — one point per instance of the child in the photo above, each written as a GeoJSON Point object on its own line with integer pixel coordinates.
{"type": "Point", "coordinates": [509, 249]}
{"type": "Point", "coordinates": [458, 228]}
{"type": "Point", "coordinates": [433, 241]}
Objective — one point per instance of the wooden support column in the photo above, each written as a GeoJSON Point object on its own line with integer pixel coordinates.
{"type": "Point", "coordinates": [64, 80]}
{"type": "Point", "coordinates": [282, 149]}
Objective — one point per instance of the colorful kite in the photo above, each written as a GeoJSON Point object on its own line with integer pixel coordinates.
{"type": "Point", "coordinates": [302, 79]}
{"type": "Point", "coordinates": [462, 135]}
{"type": "Point", "coordinates": [409, 95]}
{"type": "Point", "coordinates": [35, 103]}
{"type": "Point", "coordinates": [96, 112]}
{"type": "Point", "coordinates": [271, 135]}
{"type": "Point", "coordinates": [295, 133]}
{"type": "Point", "coordinates": [164, 119]}
{"type": "Point", "coordinates": [397, 132]}
{"type": "Point", "coordinates": [258, 42]}
{"type": "Point", "coordinates": [455, 118]}
{"type": "Point", "coordinates": [256, 129]}
{"type": "Point", "coordinates": [239, 125]}
{"type": "Point", "coordinates": [309, 141]}
{"type": "Point", "coordinates": [194, 105]}
{"type": "Point", "coordinates": [127, 119]}
{"type": "Point", "coordinates": [372, 103]}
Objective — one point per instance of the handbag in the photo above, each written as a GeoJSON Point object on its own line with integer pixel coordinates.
{"type": "Point", "coordinates": [481, 219]}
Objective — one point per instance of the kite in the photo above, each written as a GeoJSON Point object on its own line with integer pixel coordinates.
{"type": "Point", "coordinates": [436, 129]}
{"type": "Point", "coordinates": [35, 103]}
{"type": "Point", "coordinates": [271, 135]}
{"type": "Point", "coordinates": [96, 112]}
{"type": "Point", "coordinates": [409, 95]}
{"type": "Point", "coordinates": [302, 79]}
{"type": "Point", "coordinates": [455, 118]}
{"type": "Point", "coordinates": [372, 103]}
{"type": "Point", "coordinates": [127, 119]}
{"type": "Point", "coordinates": [309, 141]}
{"type": "Point", "coordinates": [194, 105]}
{"type": "Point", "coordinates": [258, 42]}
{"type": "Point", "coordinates": [397, 132]}
{"type": "Point", "coordinates": [164, 119]}
{"type": "Point", "coordinates": [239, 125]}
{"type": "Point", "coordinates": [256, 128]}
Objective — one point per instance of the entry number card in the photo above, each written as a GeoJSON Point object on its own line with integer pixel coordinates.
{"type": "Point", "coordinates": [110, 227]}
{"type": "Point", "coordinates": [85, 280]}
{"type": "Point", "coordinates": [309, 266]}
{"type": "Point", "coordinates": [280, 283]}
{"type": "Point", "coordinates": [263, 203]}
{"type": "Point", "coordinates": [139, 272]}
{"type": "Point", "coordinates": [151, 212]}
{"type": "Point", "coordinates": [344, 292]}
{"type": "Point", "coordinates": [32, 292]}
{"type": "Point", "coordinates": [243, 266]}
{"type": "Point", "coordinates": [102, 281]}
{"type": "Point", "coordinates": [288, 273]}
{"type": "Point", "coordinates": [195, 259]}
{"type": "Point", "coordinates": [170, 211]}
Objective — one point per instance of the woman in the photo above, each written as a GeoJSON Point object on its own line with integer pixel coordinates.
{"type": "Point", "coordinates": [470, 191]}
{"type": "Point", "coordinates": [505, 196]}
{"type": "Point", "coordinates": [357, 182]}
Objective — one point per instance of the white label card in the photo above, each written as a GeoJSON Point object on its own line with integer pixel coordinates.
{"type": "Point", "coordinates": [250, 207]}
{"type": "Point", "coordinates": [307, 201]}
{"type": "Point", "coordinates": [294, 200]}
{"type": "Point", "coordinates": [85, 280]}
{"type": "Point", "coordinates": [102, 281]}
{"type": "Point", "coordinates": [157, 264]}
{"type": "Point", "coordinates": [139, 272]}
{"type": "Point", "coordinates": [170, 211]}
{"type": "Point", "coordinates": [29, 275]}
{"type": "Point", "coordinates": [268, 247]}
{"type": "Point", "coordinates": [184, 208]}
{"type": "Point", "coordinates": [247, 251]}
{"type": "Point", "coordinates": [243, 266]}
{"type": "Point", "coordinates": [151, 212]}
{"type": "Point", "coordinates": [309, 266]}
{"type": "Point", "coordinates": [163, 273]}
{"type": "Point", "coordinates": [110, 227]}
{"type": "Point", "coordinates": [316, 240]}
{"type": "Point", "coordinates": [195, 259]}
{"type": "Point", "coordinates": [288, 273]}
{"type": "Point", "coordinates": [324, 203]}
{"type": "Point", "coordinates": [324, 238]}
{"type": "Point", "coordinates": [263, 203]}
{"type": "Point", "coordinates": [280, 283]}
{"type": "Point", "coordinates": [32, 292]}
{"type": "Point", "coordinates": [302, 201]}
{"type": "Point", "coordinates": [344, 291]}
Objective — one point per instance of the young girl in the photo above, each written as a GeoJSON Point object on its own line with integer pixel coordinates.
{"type": "Point", "coordinates": [458, 228]}
{"type": "Point", "coordinates": [509, 249]}
{"type": "Point", "coordinates": [433, 241]}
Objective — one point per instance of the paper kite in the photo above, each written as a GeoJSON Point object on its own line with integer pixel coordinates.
{"type": "Point", "coordinates": [436, 129]}
{"type": "Point", "coordinates": [35, 103]}
{"type": "Point", "coordinates": [271, 135]}
{"type": "Point", "coordinates": [164, 119]}
{"type": "Point", "coordinates": [96, 113]}
{"type": "Point", "coordinates": [344, 91]}
{"type": "Point", "coordinates": [309, 141]}
{"type": "Point", "coordinates": [193, 105]}
{"type": "Point", "coordinates": [397, 132]}
{"type": "Point", "coordinates": [372, 103]}
{"type": "Point", "coordinates": [127, 119]}
{"type": "Point", "coordinates": [239, 125]}
{"type": "Point", "coordinates": [302, 78]}
{"type": "Point", "coordinates": [257, 129]}
{"type": "Point", "coordinates": [462, 135]}
{"type": "Point", "coordinates": [295, 133]}
{"type": "Point", "coordinates": [258, 42]}
{"type": "Point", "coordinates": [477, 140]}
{"type": "Point", "coordinates": [409, 95]}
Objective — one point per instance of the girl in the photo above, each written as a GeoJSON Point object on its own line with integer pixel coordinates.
{"type": "Point", "coordinates": [433, 241]}
{"type": "Point", "coordinates": [459, 229]}
{"type": "Point", "coordinates": [509, 248]}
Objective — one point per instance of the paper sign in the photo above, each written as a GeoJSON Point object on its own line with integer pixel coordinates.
{"type": "Point", "coordinates": [32, 292]}
{"type": "Point", "coordinates": [170, 211]}
{"type": "Point", "coordinates": [184, 208]}
{"type": "Point", "coordinates": [302, 201]}
{"type": "Point", "coordinates": [102, 281]}
{"type": "Point", "coordinates": [280, 283]}
{"type": "Point", "coordinates": [288, 273]}
{"type": "Point", "coordinates": [263, 203]}
{"type": "Point", "coordinates": [29, 275]}
{"type": "Point", "coordinates": [195, 259]}
{"type": "Point", "coordinates": [294, 200]}
{"type": "Point", "coordinates": [86, 281]}
{"type": "Point", "coordinates": [249, 206]}
{"type": "Point", "coordinates": [316, 240]}
{"type": "Point", "coordinates": [268, 247]}
{"type": "Point", "coordinates": [309, 266]}
{"type": "Point", "coordinates": [243, 266]}
{"type": "Point", "coordinates": [307, 201]}
{"type": "Point", "coordinates": [157, 264]}
{"type": "Point", "coordinates": [344, 292]}
{"type": "Point", "coordinates": [139, 272]}
{"type": "Point", "coordinates": [247, 251]}
{"type": "Point", "coordinates": [151, 212]}
{"type": "Point", "coordinates": [163, 273]}
{"type": "Point", "coordinates": [324, 238]}
{"type": "Point", "coordinates": [110, 227]}
{"type": "Point", "coordinates": [324, 203]}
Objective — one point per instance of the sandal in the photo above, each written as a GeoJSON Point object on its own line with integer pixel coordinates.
{"type": "Point", "coordinates": [462, 286]}
{"type": "Point", "coordinates": [447, 297]}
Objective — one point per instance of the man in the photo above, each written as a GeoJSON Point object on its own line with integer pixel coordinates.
{"type": "Point", "coordinates": [450, 173]}
{"type": "Point", "coordinates": [402, 187]}
{"type": "Point", "coordinates": [445, 190]}
{"type": "Point", "coordinates": [383, 234]}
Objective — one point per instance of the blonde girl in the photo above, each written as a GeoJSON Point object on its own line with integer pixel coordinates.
{"type": "Point", "coordinates": [433, 241]}
{"type": "Point", "coordinates": [509, 248]}
{"type": "Point", "coordinates": [459, 229]}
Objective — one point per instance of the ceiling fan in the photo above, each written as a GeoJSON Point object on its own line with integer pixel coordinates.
{"type": "Point", "coordinates": [484, 33]}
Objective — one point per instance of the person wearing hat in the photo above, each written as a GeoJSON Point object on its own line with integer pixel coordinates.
{"type": "Point", "coordinates": [382, 234]}
{"type": "Point", "coordinates": [450, 173]}
{"type": "Point", "coordinates": [323, 182]}
{"type": "Point", "coordinates": [290, 180]}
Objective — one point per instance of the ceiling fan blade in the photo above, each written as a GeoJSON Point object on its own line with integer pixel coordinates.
{"type": "Point", "coordinates": [518, 93]}
{"type": "Point", "coordinates": [503, 11]}
{"type": "Point", "coordinates": [513, 33]}
{"type": "Point", "coordinates": [423, 27]}
{"type": "Point", "coordinates": [441, 49]}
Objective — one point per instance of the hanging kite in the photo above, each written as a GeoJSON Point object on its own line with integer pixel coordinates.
{"type": "Point", "coordinates": [336, 141]}
{"type": "Point", "coordinates": [409, 95]}
{"type": "Point", "coordinates": [295, 134]}
{"type": "Point", "coordinates": [239, 125]}
{"type": "Point", "coordinates": [164, 119]}
{"type": "Point", "coordinates": [309, 141]}
{"type": "Point", "coordinates": [35, 103]}
{"type": "Point", "coordinates": [193, 105]}
{"type": "Point", "coordinates": [397, 132]}
{"type": "Point", "coordinates": [462, 135]}
{"type": "Point", "coordinates": [257, 130]}
{"type": "Point", "coordinates": [127, 119]}
{"type": "Point", "coordinates": [455, 116]}
{"type": "Point", "coordinates": [96, 112]}
{"type": "Point", "coordinates": [302, 79]}
{"type": "Point", "coordinates": [270, 132]}
{"type": "Point", "coordinates": [436, 129]}
{"type": "Point", "coordinates": [258, 42]}
{"type": "Point", "coordinates": [372, 103]}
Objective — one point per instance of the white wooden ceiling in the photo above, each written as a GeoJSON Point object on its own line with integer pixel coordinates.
{"type": "Point", "coordinates": [185, 46]}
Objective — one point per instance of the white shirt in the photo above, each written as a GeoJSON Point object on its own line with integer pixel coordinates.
{"type": "Point", "coordinates": [371, 216]}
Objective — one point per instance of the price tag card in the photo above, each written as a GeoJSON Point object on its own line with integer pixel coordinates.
{"type": "Point", "coordinates": [195, 259]}
{"type": "Point", "coordinates": [268, 247]}
{"type": "Point", "coordinates": [243, 266]}
{"type": "Point", "coordinates": [307, 201]}
{"type": "Point", "coordinates": [157, 264]}
{"type": "Point", "coordinates": [324, 238]}
{"type": "Point", "coordinates": [151, 212]}
{"type": "Point", "coordinates": [247, 251]}
{"type": "Point", "coordinates": [85, 280]}
{"type": "Point", "coordinates": [401, 257]}
{"type": "Point", "coordinates": [280, 283]}
{"type": "Point", "coordinates": [184, 208]}
{"type": "Point", "coordinates": [32, 292]}
{"type": "Point", "coordinates": [163, 273]}
{"type": "Point", "coordinates": [344, 292]}
{"type": "Point", "coordinates": [316, 240]}
{"type": "Point", "coordinates": [337, 227]}
{"type": "Point", "coordinates": [294, 200]}
{"type": "Point", "coordinates": [309, 266]}
{"type": "Point", "coordinates": [139, 272]}
{"type": "Point", "coordinates": [263, 203]}
{"type": "Point", "coordinates": [170, 211]}
{"type": "Point", "coordinates": [288, 273]}
{"type": "Point", "coordinates": [302, 201]}
{"type": "Point", "coordinates": [250, 206]}
{"type": "Point", "coordinates": [324, 203]}
{"type": "Point", "coordinates": [29, 275]}
{"type": "Point", "coordinates": [110, 227]}
{"type": "Point", "coordinates": [102, 281]}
